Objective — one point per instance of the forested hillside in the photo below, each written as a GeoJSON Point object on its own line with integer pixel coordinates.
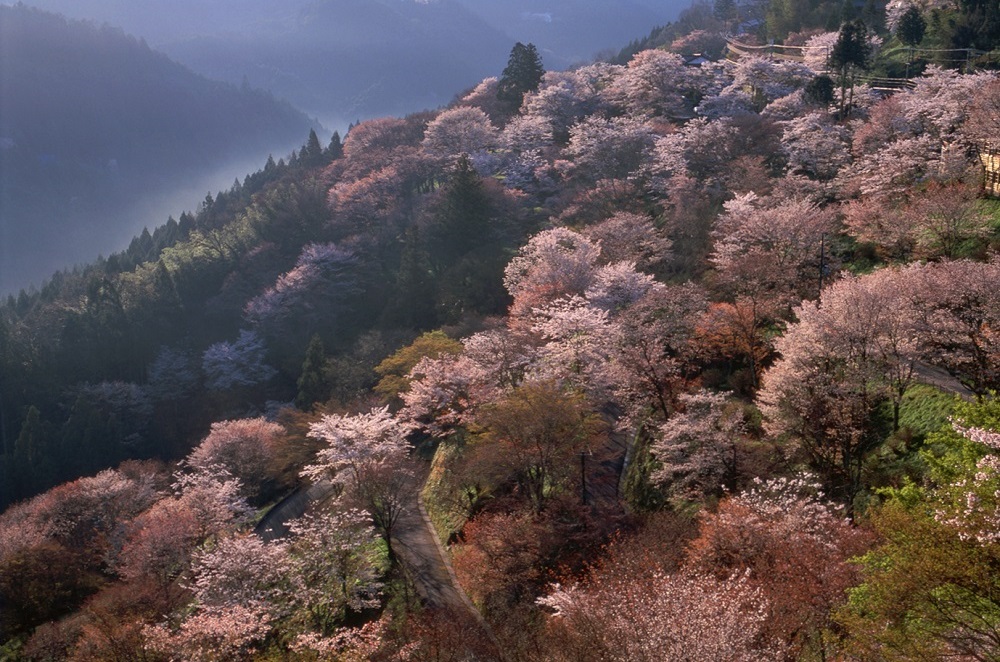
{"type": "Point", "coordinates": [96, 129]}
{"type": "Point", "coordinates": [678, 361]}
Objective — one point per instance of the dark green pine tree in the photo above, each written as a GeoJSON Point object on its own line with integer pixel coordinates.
{"type": "Point", "coordinates": [724, 10]}
{"type": "Point", "coordinates": [312, 153]}
{"type": "Point", "coordinates": [522, 74]}
{"type": "Point", "coordinates": [32, 466]}
{"type": "Point", "coordinates": [912, 27]}
{"type": "Point", "coordinates": [313, 384]}
{"type": "Point", "coordinates": [850, 53]}
{"type": "Point", "coordinates": [463, 217]}
{"type": "Point", "coordinates": [467, 251]}
{"type": "Point", "coordinates": [336, 148]}
{"type": "Point", "coordinates": [820, 90]}
{"type": "Point", "coordinates": [910, 32]}
{"type": "Point", "coordinates": [415, 291]}
{"type": "Point", "coordinates": [89, 441]}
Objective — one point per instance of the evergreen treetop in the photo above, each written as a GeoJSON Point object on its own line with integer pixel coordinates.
{"type": "Point", "coordinates": [522, 74]}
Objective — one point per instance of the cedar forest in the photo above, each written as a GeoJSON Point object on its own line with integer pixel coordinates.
{"type": "Point", "coordinates": [681, 362]}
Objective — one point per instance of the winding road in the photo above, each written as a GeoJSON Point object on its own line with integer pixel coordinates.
{"type": "Point", "coordinates": [415, 543]}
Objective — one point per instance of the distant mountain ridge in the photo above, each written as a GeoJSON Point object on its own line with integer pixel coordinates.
{"type": "Point", "coordinates": [344, 60]}
{"type": "Point", "coordinates": [93, 123]}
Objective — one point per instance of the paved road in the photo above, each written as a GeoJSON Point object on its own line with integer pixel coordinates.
{"type": "Point", "coordinates": [415, 543]}
{"type": "Point", "coordinates": [274, 524]}
{"type": "Point", "coordinates": [942, 379]}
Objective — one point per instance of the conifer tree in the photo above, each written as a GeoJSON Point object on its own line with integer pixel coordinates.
{"type": "Point", "coordinates": [313, 385]}
{"type": "Point", "coordinates": [336, 148]}
{"type": "Point", "coordinates": [850, 53]}
{"type": "Point", "coordinates": [910, 31]}
{"type": "Point", "coordinates": [312, 153]}
{"type": "Point", "coordinates": [463, 220]}
{"type": "Point", "coordinates": [31, 461]}
{"type": "Point", "coordinates": [415, 287]}
{"type": "Point", "coordinates": [522, 74]}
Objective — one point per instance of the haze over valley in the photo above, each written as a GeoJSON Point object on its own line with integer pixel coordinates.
{"type": "Point", "coordinates": [101, 135]}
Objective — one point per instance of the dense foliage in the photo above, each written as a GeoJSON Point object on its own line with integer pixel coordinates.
{"type": "Point", "coordinates": [681, 340]}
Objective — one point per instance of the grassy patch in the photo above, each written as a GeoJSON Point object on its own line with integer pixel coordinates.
{"type": "Point", "coordinates": [925, 409]}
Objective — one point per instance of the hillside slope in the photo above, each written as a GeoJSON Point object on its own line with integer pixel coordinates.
{"type": "Point", "coordinates": [95, 125]}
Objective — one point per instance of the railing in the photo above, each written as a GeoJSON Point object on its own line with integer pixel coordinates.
{"type": "Point", "coordinates": [736, 50]}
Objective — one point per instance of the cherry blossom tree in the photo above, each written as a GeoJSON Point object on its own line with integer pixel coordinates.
{"type": "Point", "coordinates": [214, 497]}
{"type": "Point", "coordinates": [89, 514]}
{"type": "Point", "coordinates": [504, 354]}
{"type": "Point", "coordinates": [701, 450]}
{"type": "Point", "coordinates": [983, 121]}
{"type": "Point", "coordinates": [728, 104]}
{"type": "Point", "coordinates": [816, 52]}
{"type": "Point", "coordinates": [815, 146]}
{"type": "Point", "coordinates": [357, 644]}
{"type": "Point", "coordinates": [972, 505]}
{"type": "Point", "coordinates": [630, 237]}
{"type": "Point", "coordinates": [173, 374]}
{"type": "Point", "coordinates": [553, 264]}
{"type": "Point", "coordinates": [333, 566]}
{"type": "Point", "coordinates": [565, 98]}
{"type": "Point", "coordinates": [768, 250]}
{"type": "Point", "coordinates": [947, 218]}
{"type": "Point", "coordinates": [885, 123]}
{"type": "Point", "coordinates": [618, 285]}
{"type": "Point", "coordinates": [314, 292]}
{"type": "Point", "coordinates": [528, 133]}
{"type": "Point", "coordinates": [241, 570]}
{"type": "Point", "coordinates": [656, 83]}
{"type": "Point", "coordinates": [609, 148]}
{"type": "Point", "coordinates": [444, 393]}
{"type": "Point", "coordinates": [657, 349]}
{"type": "Point", "coordinates": [660, 617]}
{"type": "Point", "coordinates": [484, 97]}
{"type": "Point", "coordinates": [395, 368]}
{"type": "Point", "coordinates": [894, 169]}
{"type": "Point", "coordinates": [228, 633]}
{"type": "Point", "coordinates": [367, 456]}
{"type": "Point", "coordinates": [372, 141]}
{"type": "Point", "coordinates": [238, 364]}
{"type": "Point", "coordinates": [708, 151]}
{"type": "Point", "coordinates": [457, 131]}
{"type": "Point", "coordinates": [368, 202]}
{"type": "Point", "coordinates": [581, 347]}
{"type": "Point", "coordinates": [879, 221]}
{"type": "Point", "coordinates": [245, 448]}
{"type": "Point", "coordinates": [955, 309]}
{"type": "Point", "coordinates": [790, 106]}
{"type": "Point", "coordinates": [844, 359]}
{"type": "Point", "coordinates": [766, 80]}
{"type": "Point", "coordinates": [939, 103]}
{"type": "Point", "coordinates": [793, 547]}
{"type": "Point", "coordinates": [159, 543]}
